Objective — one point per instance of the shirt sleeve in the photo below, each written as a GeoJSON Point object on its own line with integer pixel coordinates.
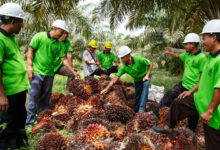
{"type": "Point", "coordinates": [217, 75]}
{"type": "Point", "coordinates": [114, 58]}
{"type": "Point", "coordinates": [120, 71]}
{"type": "Point", "coordinates": [182, 57]}
{"type": "Point", "coordinates": [2, 51]}
{"type": "Point", "coordinates": [62, 52]}
{"type": "Point", "coordinates": [35, 42]}
{"type": "Point", "coordinates": [145, 62]}
{"type": "Point", "coordinates": [86, 56]}
{"type": "Point", "coordinates": [99, 57]}
{"type": "Point", "coordinates": [202, 63]}
{"type": "Point", "coordinates": [68, 46]}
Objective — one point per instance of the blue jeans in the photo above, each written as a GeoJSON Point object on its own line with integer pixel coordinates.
{"type": "Point", "coordinates": [39, 96]}
{"type": "Point", "coordinates": [141, 95]}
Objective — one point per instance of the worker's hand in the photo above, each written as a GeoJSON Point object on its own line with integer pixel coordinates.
{"type": "Point", "coordinates": [206, 117]}
{"type": "Point", "coordinates": [185, 94]}
{"type": "Point", "coordinates": [30, 72]}
{"type": "Point", "coordinates": [146, 78]}
{"type": "Point", "coordinates": [4, 103]}
{"type": "Point", "coordinates": [77, 75]}
{"type": "Point", "coordinates": [167, 51]}
{"type": "Point", "coordinates": [104, 91]}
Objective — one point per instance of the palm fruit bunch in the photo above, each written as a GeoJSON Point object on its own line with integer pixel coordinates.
{"type": "Point", "coordinates": [114, 99]}
{"type": "Point", "coordinates": [95, 134]}
{"type": "Point", "coordinates": [117, 113]}
{"type": "Point", "coordinates": [141, 121]}
{"type": "Point", "coordinates": [44, 126]}
{"type": "Point", "coordinates": [73, 103]}
{"type": "Point", "coordinates": [120, 133]}
{"type": "Point", "coordinates": [52, 141]}
{"type": "Point", "coordinates": [94, 83]}
{"type": "Point", "coordinates": [95, 101]}
{"type": "Point", "coordinates": [129, 92]}
{"type": "Point", "coordinates": [55, 97]}
{"type": "Point", "coordinates": [163, 113]}
{"type": "Point", "coordinates": [86, 122]}
{"type": "Point", "coordinates": [80, 89]}
{"type": "Point", "coordinates": [44, 114]}
{"type": "Point", "coordinates": [136, 141]}
{"type": "Point", "coordinates": [151, 105]}
{"type": "Point", "coordinates": [61, 116]}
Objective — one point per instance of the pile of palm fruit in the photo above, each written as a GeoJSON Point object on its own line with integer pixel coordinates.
{"type": "Point", "coordinates": [107, 122]}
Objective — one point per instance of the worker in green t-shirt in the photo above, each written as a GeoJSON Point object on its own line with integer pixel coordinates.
{"type": "Point", "coordinates": [107, 59]}
{"type": "Point", "coordinates": [206, 100]}
{"type": "Point", "coordinates": [140, 69]}
{"type": "Point", "coordinates": [13, 79]}
{"type": "Point", "coordinates": [44, 49]}
{"type": "Point", "coordinates": [194, 61]}
{"type": "Point", "coordinates": [59, 67]}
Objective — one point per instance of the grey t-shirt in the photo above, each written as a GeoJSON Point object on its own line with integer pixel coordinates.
{"type": "Point", "coordinates": [89, 69]}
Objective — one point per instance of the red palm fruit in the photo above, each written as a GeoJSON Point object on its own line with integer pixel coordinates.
{"type": "Point", "coordinates": [52, 141]}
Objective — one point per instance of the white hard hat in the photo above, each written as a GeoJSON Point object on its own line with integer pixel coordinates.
{"type": "Point", "coordinates": [192, 38]}
{"type": "Point", "coordinates": [12, 10]}
{"type": "Point", "coordinates": [60, 24]}
{"type": "Point", "coordinates": [212, 26]}
{"type": "Point", "coordinates": [123, 51]}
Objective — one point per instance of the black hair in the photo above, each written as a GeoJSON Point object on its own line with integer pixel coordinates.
{"type": "Point", "coordinates": [217, 36]}
{"type": "Point", "coordinates": [6, 19]}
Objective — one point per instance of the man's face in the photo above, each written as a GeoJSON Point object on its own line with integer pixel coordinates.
{"type": "Point", "coordinates": [17, 25]}
{"type": "Point", "coordinates": [208, 42]}
{"type": "Point", "coordinates": [125, 59]}
{"type": "Point", "coordinates": [92, 48]}
{"type": "Point", "coordinates": [64, 36]}
{"type": "Point", "coordinates": [107, 50]}
{"type": "Point", "coordinates": [189, 46]}
{"type": "Point", "coordinates": [58, 32]}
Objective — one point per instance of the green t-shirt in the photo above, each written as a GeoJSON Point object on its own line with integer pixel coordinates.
{"type": "Point", "coordinates": [193, 66]}
{"type": "Point", "coordinates": [13, 68]}
{"type": "Point", "coordinates": [106, 60]}
{"type": "Point", "coordinates": [138, 69]}
{"type": "Point", "coordinates": [66, 48]}
{"type": "Point", "coordinates": [45, 54]}
{"type": "Point", "coordinates": [210, 81]}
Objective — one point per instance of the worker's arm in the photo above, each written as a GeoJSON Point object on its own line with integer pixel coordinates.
{"type": "Point", "coordinates": [69, 67]}
{"type": "Point", "coordinates": [69, 58]}
{"type": "Point", "coordinates": [3, 99]}
{"type": "Point", "coordinates": [113, 81]}
{"type": "Point", "coordinates": [100, 66]}
{"type": "Point", "coordinates": [117, 64]}
{"type": "Point", "coordinates": [191, 91]}
{"type": "Point", "coordinates": [90, 63]}
{"type": "Point", "coordinates": [148, 72]}
{"type": "Point", "coordinates": [207, 115]}
{"type": "Point", "coordinates": [169, 52]}
{"type": "Point", "coordinates": [30, 54]}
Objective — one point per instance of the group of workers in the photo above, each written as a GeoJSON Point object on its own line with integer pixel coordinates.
{"type": "Point", "coordinates": [49, 53]}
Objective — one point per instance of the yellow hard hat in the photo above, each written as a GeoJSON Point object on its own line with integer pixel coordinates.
{"type": "Point", "coordinates": [93, 44]}
{"type": "Point", "coordinates": [108, 45]}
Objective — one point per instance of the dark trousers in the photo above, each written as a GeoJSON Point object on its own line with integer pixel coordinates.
{"type": "Point", "coordinates": [169, 97]}
{"type": "Point", "coordinates": [99, 71]}
{"type": "Point", "coordinates": [113, 69]}
{"type": "Point", "coordinates": [182, 108]}
{"type": "Point", "coordinates": [14, 135]}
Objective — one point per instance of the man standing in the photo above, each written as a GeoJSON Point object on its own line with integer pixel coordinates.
{"type": "Point", "coordinates": [13, 79]}
{"type": "Point", "coordinates": [107, 58]}
{"type": "Point", "coordinates": [91, 65]}
{"type": "Point", "coordinates": [205, 102]}
{"type": "Point", "coordinates": [59, 67]}
{"type": "Point", "coordinates": [194, 61]}
{"type": "Point", "coordinates": [140, 69]}
{"type": "Point", "coordinates": [43, 51]}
